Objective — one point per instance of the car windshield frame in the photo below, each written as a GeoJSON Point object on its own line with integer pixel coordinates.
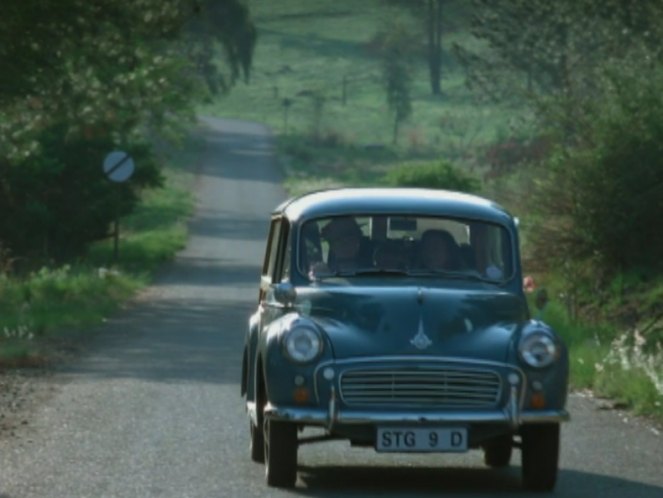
{"type": "Point", "coordinates": [505, 240]}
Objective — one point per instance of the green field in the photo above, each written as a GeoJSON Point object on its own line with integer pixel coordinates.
{"type": "Point", "coordinates": [322, 51]}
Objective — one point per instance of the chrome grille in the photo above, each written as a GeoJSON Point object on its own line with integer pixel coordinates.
{"type": "Point", "coordinates": [447, 387]}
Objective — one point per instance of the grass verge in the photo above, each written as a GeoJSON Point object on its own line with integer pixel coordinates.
{"type": "Point", "coordinates": [615, 363]}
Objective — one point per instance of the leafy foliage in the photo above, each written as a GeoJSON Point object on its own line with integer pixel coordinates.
{"type": "Point", "coordinates": [602, 198]}
{"type": "Point", "coordinates": [58, 201]}
{"type": "Point", "coordinates": [79, 79]}
{"type": "Point", "coordinates": [537, 47]}
{"type": "Point", "coordinates": [397, 72]}
{"type": "Point", "coordinates": [439, 175]}
{"type": "Point", "coordinates": [430, 13]}
{"type": "Point", "coordinates": [597, 197]}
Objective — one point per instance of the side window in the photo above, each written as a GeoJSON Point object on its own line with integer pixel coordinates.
{"type": "Point", "coordinates": [284, 274]}
{"type": "Point", "coordinates": [271, 254]}
{"type": "Point", "coordinates": [272, 249]}
{"type": "Point", "coordinates": [492, 250]}
{"type": "Point", "coordinates": [285, 254]}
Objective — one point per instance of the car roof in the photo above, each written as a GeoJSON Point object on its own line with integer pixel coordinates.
{"type": "Point", "coordinates": [413, 201]}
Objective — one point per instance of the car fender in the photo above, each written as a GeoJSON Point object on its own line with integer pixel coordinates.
{"type": "Point", "coordinates": [250, 357]}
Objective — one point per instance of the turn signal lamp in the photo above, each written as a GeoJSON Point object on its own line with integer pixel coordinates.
{"type": "Point", "coordinates": [301, 395]}
{"type": "Point", "coordinates": [537, 400]}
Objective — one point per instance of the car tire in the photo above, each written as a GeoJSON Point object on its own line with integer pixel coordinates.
{"type": "Point", "coordinates": [257, 445]}
{"type": "Point", "coordinates": [280, 453]}
{"type": "Point", "coordinates": [540, 456]}
{"type": "Point", "coordinates": [497, 451]}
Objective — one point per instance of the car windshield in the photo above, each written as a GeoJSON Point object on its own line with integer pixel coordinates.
{"type": "Point", "coordinates": [425, 246]}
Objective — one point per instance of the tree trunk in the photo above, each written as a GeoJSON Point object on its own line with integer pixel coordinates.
{"type": "Point", "coordinates": [435, 45]}
{"type": "Point", "coordinates": [397, 119]}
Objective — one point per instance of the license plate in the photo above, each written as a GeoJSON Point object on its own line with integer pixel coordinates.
{"type": "Point", "coordinates": [421, 439]}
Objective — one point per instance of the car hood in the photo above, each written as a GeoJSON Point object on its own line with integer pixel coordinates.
{"type": "Point", "coordinates": [376, 321]}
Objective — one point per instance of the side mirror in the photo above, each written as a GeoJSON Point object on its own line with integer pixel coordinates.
{"type": "Point", "coordinates": [285, 293]}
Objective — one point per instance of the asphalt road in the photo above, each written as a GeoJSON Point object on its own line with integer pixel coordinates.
{"type": "Point", "coordinates": [154, 408]}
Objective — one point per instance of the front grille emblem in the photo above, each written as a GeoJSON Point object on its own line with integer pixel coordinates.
{"type": "Point", "coordinates": [421, 340]}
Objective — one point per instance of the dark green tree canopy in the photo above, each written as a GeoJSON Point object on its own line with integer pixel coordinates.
{"type": "Point", "coordinates": [79, 78]}
{"type": "Point", "coordinates": [116, 63]}
{"type": "Point", "coordinates": [539, 46]}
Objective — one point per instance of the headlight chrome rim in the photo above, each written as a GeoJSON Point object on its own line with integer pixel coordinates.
{"type": "Point", "coordinates": [538, 349]}
{"type": "Point", "coordinates": [302, 344]}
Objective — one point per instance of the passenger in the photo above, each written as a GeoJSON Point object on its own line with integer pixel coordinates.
{"type": "Point", "coordinates": [438, 251]}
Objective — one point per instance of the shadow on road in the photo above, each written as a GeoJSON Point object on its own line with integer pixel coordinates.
{"type": "Point", "coordinates": [215, 224]}
{"type": "Point", "coordinates": [210, 272]}
{"type": "Point", "coordinates": [169, 341]}
{"type": "Point", "coordinates": [334, 481]}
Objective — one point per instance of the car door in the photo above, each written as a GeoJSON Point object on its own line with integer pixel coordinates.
{"type": "Point", "coordinates": [266, 312]}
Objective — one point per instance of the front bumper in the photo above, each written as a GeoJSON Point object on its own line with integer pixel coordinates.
{"type": "Point", "coordinates": [324, 418]}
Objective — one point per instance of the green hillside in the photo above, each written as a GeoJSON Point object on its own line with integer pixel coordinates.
{"type": "Point", "coordinates": [325, 51]}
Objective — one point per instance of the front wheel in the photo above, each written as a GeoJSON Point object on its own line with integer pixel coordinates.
{"type": "Point", "coordinates": [540, 456]}
{"type": "Point", "coordinates": [257, 445]}
{"type": "Point", "coordinates": [497, 451]}
{"type": "Point", "coordinates": [280, 453]}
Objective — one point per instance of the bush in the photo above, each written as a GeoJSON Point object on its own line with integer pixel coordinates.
{"type": "Point", "coordinates": [601, 198]}
{"type": "Point", "coordinates": [55, 202]}
{"type": "Point", "coordinates": [439, 175]}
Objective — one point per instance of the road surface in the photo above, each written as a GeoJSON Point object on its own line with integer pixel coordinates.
{"type": "Point", "coordinates": [154, 408]}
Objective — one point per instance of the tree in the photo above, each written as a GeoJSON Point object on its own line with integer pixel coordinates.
{"type": "Point", "coordinates": [79, 78]}
{"type": "Point", "coordinates": [396, 73]}
{"type": "Point", "coordinates": [434, 19]}
{"type": "Point", "coordinates": [600, 198]}
{"type": "Point", "coordinates": [590, 71]}
{"type": "Point", "coordinates": [430, 14]}
{"type": "Point", "coordinates": [536, 47]}
{"type": "Point", "coordinates": [114, 64]}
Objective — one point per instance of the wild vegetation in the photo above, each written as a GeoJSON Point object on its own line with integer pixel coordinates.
{"type": "Point", "coordinates": [78, 80]}
{"type": "Point", "coordinates": [50, 309]}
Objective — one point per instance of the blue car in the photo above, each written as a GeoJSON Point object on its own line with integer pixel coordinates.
{"type": "Point", "coordinates": [396, 319]}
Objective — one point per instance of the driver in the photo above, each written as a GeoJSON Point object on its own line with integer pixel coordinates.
{"type": "Point", "coordinates": [344, 238]}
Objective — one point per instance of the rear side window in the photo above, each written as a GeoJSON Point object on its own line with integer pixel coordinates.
{"type": "Point", "coordinates": [271, 252]}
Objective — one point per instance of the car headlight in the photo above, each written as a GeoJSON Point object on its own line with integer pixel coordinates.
{"type": "Point", "coordinates": [302, 344]}
{"type": "Point", "coordinates": [538, 349]}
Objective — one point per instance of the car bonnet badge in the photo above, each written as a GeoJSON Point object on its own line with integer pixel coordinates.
{"type": "Point", "coordinates": [421, 340]}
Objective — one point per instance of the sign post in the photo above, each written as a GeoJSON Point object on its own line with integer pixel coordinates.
{"type": "Point", "coordinates": [118, 167]}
